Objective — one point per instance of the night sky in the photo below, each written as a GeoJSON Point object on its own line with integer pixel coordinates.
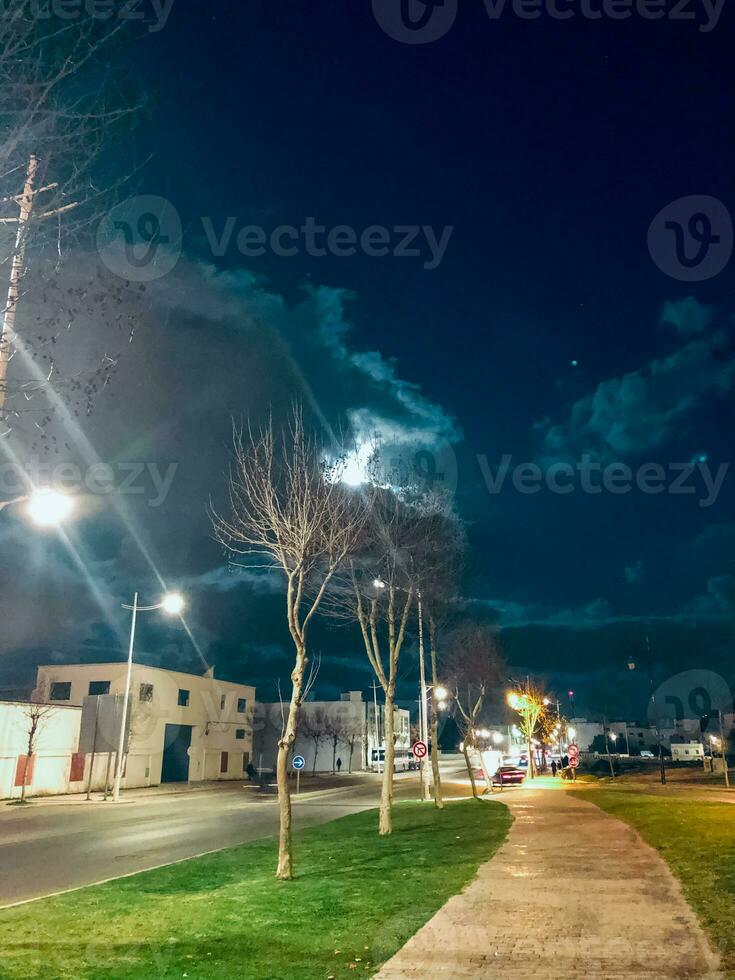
{"type": "Point", "coordinates": [546, 333]}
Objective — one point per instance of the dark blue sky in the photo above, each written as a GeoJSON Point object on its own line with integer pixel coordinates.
{"type": "Point", "coordinates": [549, 146]}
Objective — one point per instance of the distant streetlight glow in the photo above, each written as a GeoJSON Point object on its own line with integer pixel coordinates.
{"type": "Point", "coordinates": [571, 732]}
{"type": "Point", "coordinates": [442, 705]}
{"type": "Point", "coordinates": [441, 693]}
{"type": "Point", "coordinates": [498, 738]}
{"type": "Point", "coordinates": [378, 583]}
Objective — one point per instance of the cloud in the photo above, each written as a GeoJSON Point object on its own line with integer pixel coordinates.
{"type": "Point", "coordinates": [644, 409]}
{"type": "Point", "coordinates": [635, 573]}
{"type": "Point", "coordinates": [687, 316]}
{"type": "Point", "coordinates": [206, 347]}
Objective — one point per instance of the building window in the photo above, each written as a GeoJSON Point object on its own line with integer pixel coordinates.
{"type": "Point", "coordinates": [146, 692]}
{"type": "Point", "coordinates": [239, 733]}
{"type": "Point", "coordinates": [99, 687]}
{"type": "Point", "coordinates": [223, 762]}
{"type": "Point", "coordinates": [222, 702]}
{"type": "Point", "coordinates": [241, 705]}
{"type": "Point", "coordinates": [60, 691]}
{"type": "Point", "coordinates": [183, 698]}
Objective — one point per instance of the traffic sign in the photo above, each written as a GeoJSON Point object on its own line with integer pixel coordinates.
{"type": "Point", "coordinates": [573, 751]}
{"type": "Point", "coordinates": [298, 762]}
{"type": "Point", "coordinates": [420, 750]}
{"type": "Point", "coordinates": [574, 761]}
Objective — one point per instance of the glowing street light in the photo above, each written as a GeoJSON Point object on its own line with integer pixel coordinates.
{"type": "Point", "coordinates": [498, 738]}
{"type": "Point", "coordinates": [441, 693]}
{"type": "Point", "coordinates": [46, 507]}
{"type": "Point", "coordinates": [172, 604]}
{"type": "Point", "coordinates": [441, 705]}
{"type": "Point", "coordinates": [571, 732]}
{"type": "Point", "coordinates": [378, 583]}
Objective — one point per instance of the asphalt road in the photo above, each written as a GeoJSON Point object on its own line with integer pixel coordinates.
{"type": "Point", "coordinates": [50, 847]}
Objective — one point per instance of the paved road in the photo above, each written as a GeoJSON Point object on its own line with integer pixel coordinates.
{"type": "Point", "coordinates": [572, 894]}
{"type": "Point", "coordinates": [50, 847]}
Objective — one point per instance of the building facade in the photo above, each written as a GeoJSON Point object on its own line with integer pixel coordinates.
{"type": "Point", "coordinates": [331, 730]}
{"type": "Point", "coordinates": [181, 727]}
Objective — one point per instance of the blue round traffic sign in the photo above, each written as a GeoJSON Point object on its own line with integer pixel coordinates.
{"type": "Point", "coordinates": [298, 762]}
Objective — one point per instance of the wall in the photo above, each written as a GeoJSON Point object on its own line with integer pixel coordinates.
{"type": "Point", "coordinates": [318, 716]}
{"type": "Point", "coordinates": [57, 739]}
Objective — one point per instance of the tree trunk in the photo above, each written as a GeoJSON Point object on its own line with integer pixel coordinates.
{"type": "Point", "coordinates": [470, 771]}
{"type": "Point", "coordinates": [352, 749]}
{"type": "Point", "coordinates": [386, 796]}
{"type": "Point", "coordinates": [334, 756]}
{"type": "Point", "coordinates": [284, 870]}
{"type": "Point", "coordinates": [438, 800]}
{"type": "Point", "coordinates": [531, 762]}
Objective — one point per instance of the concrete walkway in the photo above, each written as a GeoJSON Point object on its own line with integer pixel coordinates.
{"type": "Point", "coordinates": [573, 893]}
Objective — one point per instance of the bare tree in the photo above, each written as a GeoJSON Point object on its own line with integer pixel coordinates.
{"type": "Point", "coordinates": [290, 510]}
{"type": "Point", "coordinates": [438, 564]}
{"type": "Point", "coordinates": [528, 700]}
{"type": "Point", "coordinates": [314, 726]}
{"type": "Point", "coordinates": [475, 667]}
{"type": "Point", "coordinates": [353, 733]}
{"type": "Point", "coordinates": [37, 713]}
{"type": "Point", "coordinates": [378, 592]}
{"type": "Point", "coordinates": [64, 112]}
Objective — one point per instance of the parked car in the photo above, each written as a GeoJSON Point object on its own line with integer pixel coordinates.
{"type": "Point", "coordinates": [509, 776]}
{"type": "Point", "coordinates": [413, 762]}
{"type": "Point", "coordinates": [647, 754]}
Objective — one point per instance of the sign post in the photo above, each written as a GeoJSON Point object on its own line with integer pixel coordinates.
{"type": "Point", "coordinates": [298, 762]}
{"type": "Point", "coordinates": [573, 753]}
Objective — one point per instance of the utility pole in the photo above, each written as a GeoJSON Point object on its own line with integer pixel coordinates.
{"type": "Point", "coordinates": [377, 726]}
{"type": "Point", "coordinates": [425, 784]}
{"type": "Point", "coordinates": [724, 750]}
{"type": "Point", "coordinates": [25, 201]}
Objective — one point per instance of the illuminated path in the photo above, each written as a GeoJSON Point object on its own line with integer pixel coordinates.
{"type": "Point", "coordinates": [573, 893]}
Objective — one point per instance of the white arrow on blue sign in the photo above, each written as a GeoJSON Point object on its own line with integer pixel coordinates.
{"type": "Point", "coordinates": [298, 762]}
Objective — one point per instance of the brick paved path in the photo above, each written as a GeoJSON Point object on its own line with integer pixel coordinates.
{"type": "Point", "coordinates": [573, 893]}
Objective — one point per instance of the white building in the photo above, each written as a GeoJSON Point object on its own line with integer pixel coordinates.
{"type": "Point", "coordinates": [53, 766]}
{"type": "Point", "coordinates": [182, 727]}
{"type": "Point", "coordinates": [330, 730]}
{"type": "Point", "coordinates": [686, 751]}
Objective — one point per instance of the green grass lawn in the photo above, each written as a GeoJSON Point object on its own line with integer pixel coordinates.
{"type": "Point", "coordinates": [357, 898]}
{"type": "Point", "coordinates": [697, 839]}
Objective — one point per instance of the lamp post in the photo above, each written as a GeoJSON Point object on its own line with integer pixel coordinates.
{"type": "Point", "coordinates": [172, 603]}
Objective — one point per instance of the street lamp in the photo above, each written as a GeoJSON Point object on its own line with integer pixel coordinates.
{"type": "Point", "coordinates": [172, 604]}
{"type": "Point", "coordinates": [498, 738]}
{"type": "Point", "coordinates": [46, 507]}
